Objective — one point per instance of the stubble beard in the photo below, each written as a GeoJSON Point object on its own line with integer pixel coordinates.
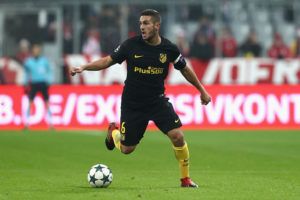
{"type": "Point", "coordinates": [151, 36]}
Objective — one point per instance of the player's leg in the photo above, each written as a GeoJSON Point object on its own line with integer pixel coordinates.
{"type": "Point", "coordinates": [49, 114]}
{"type": "Point", "coordinates": [27, 116]}
{"type": "Point", "coordinates": [181, 151]}
{"type": "Point", "coordinates": [32, 94]}
{"type": "Point", "coordinates": [169, 123]}
{"type": "Point", "coordinates": [182, 154]}
{"type": "Point", "coordinates": [44, 89]}
{"type": "Point", "coordinates": [127, 149]}
{"type": "Point", "coordinates": [114, 138]}
{"type": "Point", "coordinates": [133, 126]}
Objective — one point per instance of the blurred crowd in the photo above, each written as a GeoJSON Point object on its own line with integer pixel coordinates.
{"type": "Point", "coordinates": [100, 34]}
{"type": "Point", "coordinates": [205, 42]}
{"type": "Point", "coordinates": [97, 29]}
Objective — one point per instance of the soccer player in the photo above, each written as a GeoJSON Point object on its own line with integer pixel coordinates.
{"type": "Point", "coordinates": [143, 99]}
{"type": "Point", "coordinates": [40, 74]}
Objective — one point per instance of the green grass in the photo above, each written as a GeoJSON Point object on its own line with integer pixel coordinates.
{"type": "Point", "coordinates": [226, 165]}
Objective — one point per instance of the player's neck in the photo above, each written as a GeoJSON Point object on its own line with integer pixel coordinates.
{"type": "Point", "coordinates": [154, 41]}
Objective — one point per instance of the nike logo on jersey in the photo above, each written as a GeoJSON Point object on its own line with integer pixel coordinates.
{"type": "Point", "coordinates": [136, 56]}
{"type": "Point", "coordinates": [176, 121]}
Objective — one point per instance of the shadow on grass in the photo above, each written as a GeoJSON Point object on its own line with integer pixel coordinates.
{"type": "Point", "coordinates": [80, 189]}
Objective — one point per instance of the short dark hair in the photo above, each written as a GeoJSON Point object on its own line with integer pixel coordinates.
{"type": "Point", "coordinates": [36, 45]}
{"type": "Point", "coordinates": [153, 13]}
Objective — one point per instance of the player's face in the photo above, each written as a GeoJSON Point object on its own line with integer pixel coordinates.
{"type": "Point", "coordinates": [36, 50]}
{"type": "Point", "coordinates": [148, 28]}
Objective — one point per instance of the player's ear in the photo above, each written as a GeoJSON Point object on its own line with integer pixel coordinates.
{"type": "Point", "coordinates": [157, 25]}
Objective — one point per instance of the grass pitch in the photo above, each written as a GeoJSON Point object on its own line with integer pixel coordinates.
{"type": "Point", "coordinates": [226, 165]}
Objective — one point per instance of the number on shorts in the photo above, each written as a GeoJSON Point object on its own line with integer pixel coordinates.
{"type": "Point", "coordinates": [123, 127]}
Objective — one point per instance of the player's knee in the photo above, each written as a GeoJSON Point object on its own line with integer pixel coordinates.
{"type": "Point", "coordinates": [127, 149]}
{"type": "Point", "coordinates": [177, 137]}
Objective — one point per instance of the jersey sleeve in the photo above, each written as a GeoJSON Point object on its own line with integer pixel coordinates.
{"type": "Point", "coordinates": [120, 53]}
{"type": "Point", "coordinates": [179, 61]}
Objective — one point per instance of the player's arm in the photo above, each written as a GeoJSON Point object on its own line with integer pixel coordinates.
{"type": "Point", "coordinates": [100, 64]}
{"type": "Point", "coordinates": [191, 77]}
{"type": "Point", "coordinates": [50, 77]}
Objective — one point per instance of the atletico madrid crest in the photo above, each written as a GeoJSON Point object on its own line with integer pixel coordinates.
{"type": "Point", "coordinates": [162, 57]}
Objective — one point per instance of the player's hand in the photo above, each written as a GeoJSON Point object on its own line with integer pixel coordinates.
{"type": "Point", "coordinates": [205, 98]}
{"type": "Point", "coordinates": [27, 89]}
{"type": "Point", "coordinates": [76, 70]}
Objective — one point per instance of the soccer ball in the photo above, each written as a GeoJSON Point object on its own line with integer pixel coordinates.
{"type": "Point", "coordinates": [100, 176]}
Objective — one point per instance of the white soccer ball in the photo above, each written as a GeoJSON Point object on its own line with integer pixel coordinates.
{"type": "Point", "coordinates": [100, 176]}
